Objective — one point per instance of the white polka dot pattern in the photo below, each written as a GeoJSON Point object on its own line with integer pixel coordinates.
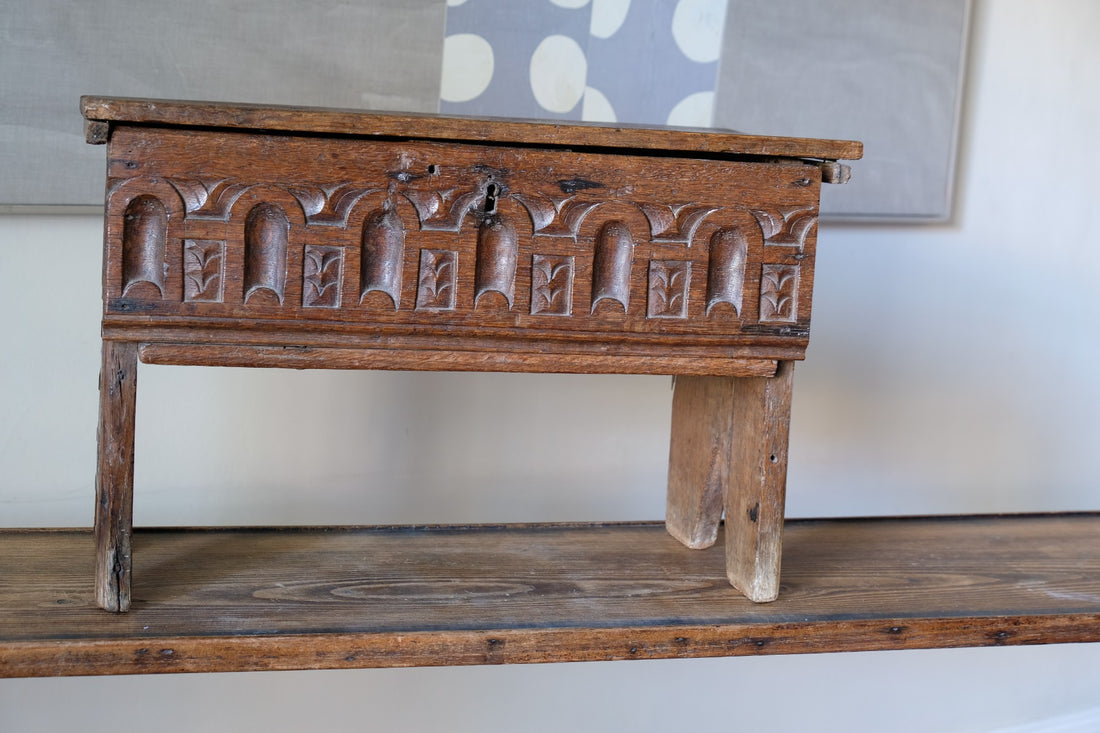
{"type": "Point", "coordinates": [558, 70]}
{"type": "Point", "coordinates": [467, 67]}
{"type": "Point", "coordinates": [640, 61]}
{"type": "Point", "coordinates": [596, 107]}
{"type": "Point", "coordinates": [694, 110]}
{"type": "Point", "coordinates": [608, 17]}
{"type": "Point", "coordinates": [697, 27]}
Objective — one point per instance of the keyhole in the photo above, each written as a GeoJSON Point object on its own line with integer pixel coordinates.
{"type": "Point", "coordinates": [491, 199]}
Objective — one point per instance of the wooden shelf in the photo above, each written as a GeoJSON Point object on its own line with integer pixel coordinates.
{"type": "Point", "coordinates": [306, 598]}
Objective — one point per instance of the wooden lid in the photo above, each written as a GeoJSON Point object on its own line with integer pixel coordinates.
{"type": "Point", "coordinates": [696, 142]}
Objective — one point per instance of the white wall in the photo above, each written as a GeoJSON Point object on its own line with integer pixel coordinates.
{"type": "Point", "coordinates": [952, 369]}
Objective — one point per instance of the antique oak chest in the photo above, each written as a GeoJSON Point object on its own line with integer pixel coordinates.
{"type": "Point", "coordinates": [240, 235]}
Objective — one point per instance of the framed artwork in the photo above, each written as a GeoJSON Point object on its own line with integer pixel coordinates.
{"type": "Point", "coordinates": [886, 72]}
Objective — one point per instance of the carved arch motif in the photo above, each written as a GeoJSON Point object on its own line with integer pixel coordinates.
{"type": "Point", "coordinates": [270, 238]}
{"type": "Point", "coordinates": [144, 240]}
{"type": "Point", "coordinates": [266, 241]}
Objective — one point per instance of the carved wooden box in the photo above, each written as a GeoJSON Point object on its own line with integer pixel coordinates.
{"type": "Point", "coordinates": [252, 236]}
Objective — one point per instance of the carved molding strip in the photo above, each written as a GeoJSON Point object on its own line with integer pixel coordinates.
{"type": "Point", "coordinates": [266, 234]}
{"type": "Point", "coordinates": [437, 282]}
{"type": "Point", "coordinates": [552, 285]}
{"type": "Point", "coordinates": [497, 250]}
{"type": "Point", "coordinates": [669, 282]}
{"type": "Point", "coordinates": [203, 270]}
{"type": "Point", "coordinates": [144, 236]}
{"type": "Point", "coordinates": [208, 262]}
{"type": "Point", "coordinates": [779, 294]}
{"type": "Point", "coordinates": [729, 251]}
{"type": "Point", "coordinates": [383, 255]}
{"type": "Point", "coordinates": [446, 209]}
{"type": "Point", "coordinates": [611, 265]}
{"type": "Point", "coordinates": [322, 273]}
{"type": "Point", "coordinates": [786, 226]}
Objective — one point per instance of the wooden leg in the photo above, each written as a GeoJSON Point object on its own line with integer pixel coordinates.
{"type": "Point", "coordinates": [699, 458]}
{"type": "Point", "coordinates": [756, 492]}
{"type": "Point", "coordinates": [729, 450]}
{"type": "Point", "coordinates": [115, 474]}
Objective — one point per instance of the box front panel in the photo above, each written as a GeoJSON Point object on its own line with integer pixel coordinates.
{"type": "Point", "coordinates": [229, 237]}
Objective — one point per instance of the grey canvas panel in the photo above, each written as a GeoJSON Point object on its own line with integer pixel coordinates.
{"type": "Point", "coordinates": [384, 54]}
{"type": "Point", "coordinates": [887, 72]}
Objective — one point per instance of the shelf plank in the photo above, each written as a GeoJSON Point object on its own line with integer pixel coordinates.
{"type": "Point", "coordinates": [306, 598]}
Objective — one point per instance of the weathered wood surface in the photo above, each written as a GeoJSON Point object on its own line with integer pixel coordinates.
{"type": "Point", "coordinates": [265, 599]}
{"type": "Point", "coordinates": [728, 453]}
{"type": "Point", "coordinates": [699, 458]}
{"type": "Point", "coordinates": [223, 237]}
{"type": "Point", "coordinates": [757, 490]}
{"type": "Point", "coordinates": [115, 474]}
{"type": "Point", "coordinates": [241, 235]}
{"type": "Point", "coordinates": [304, 357]}
{"type": "Point", "coordinates": [434, 127]}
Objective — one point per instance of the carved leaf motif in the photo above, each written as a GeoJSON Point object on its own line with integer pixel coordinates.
{"type": "Point", "coordinates": [329, 205]}
{"type": "Point", "coordinates": [668, 289]}
{"type": "Point", "coordinates": [194, 193]}
{"type": "Point", "coordinates": [436, 284]}
{"type": "Point", "coordinates": [552, 217]}
{"type": "Point", "coordinates": [443, 211]}
{"type": "Point", "coordinates": [543, 210]}
{"type": "Point", "coordinates": [209, 199]}
{"type": "Point", "coordinates": [675, 223]}
{"type": "Point", "coordinates": [551, 285]}
{"type": "Point", "coordinates": [779, 293]}
{"type": "Point", "coordinates": [322, 276]}
{"type": "Point", "coordinates": [787, 226]}
{"type": "Point", "coordinates": [312, 199]}
{"type": "Point", "coordinates": [202, 269]}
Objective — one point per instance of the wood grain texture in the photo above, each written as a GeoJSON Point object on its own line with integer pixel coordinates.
{"type": "Point", "coordinates": [699, 458]}
{"type": "Point", "coordinates": [433, 127]}
{"type": "Point", "coordinates": [115, 475]}
{"type": "Point", "coordinates": [264, 599]}
{"type": "Point", "coordinates": [96, 132]}
{"type": "Point", "coordinates": [240, 235]}
{"type": "Point", "coordinates": [446, 361]}
{"type": "Point", "coordinates": [757, 488]}
{"type": "Point", "coordinates": [246, 233]}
